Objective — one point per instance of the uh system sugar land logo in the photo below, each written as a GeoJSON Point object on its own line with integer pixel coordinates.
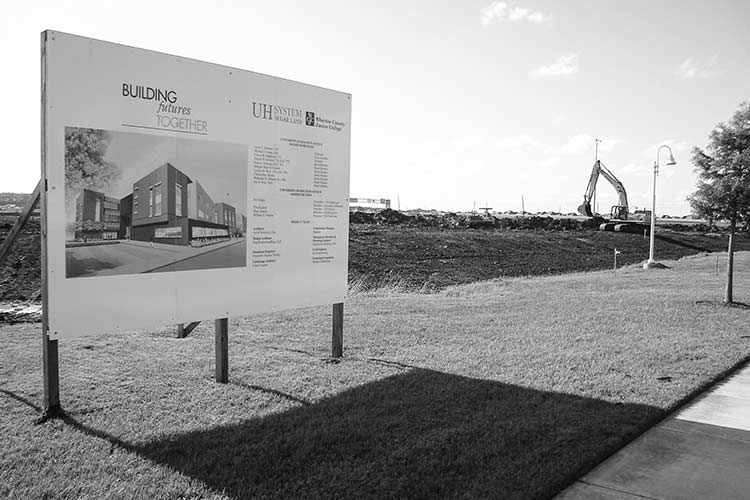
{"type": "Point", "coordinates": [296, 116]}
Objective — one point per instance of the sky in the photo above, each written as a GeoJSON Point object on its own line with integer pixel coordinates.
{"type": "Point", "coordinates": [137, 155]}
{"type": "Point", "coordinates": [454, 103]}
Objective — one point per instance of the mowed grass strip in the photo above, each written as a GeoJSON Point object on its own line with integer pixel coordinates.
{"type": "Point", "coordinates": [504, 389]}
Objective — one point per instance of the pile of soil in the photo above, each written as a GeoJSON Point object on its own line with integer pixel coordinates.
{"type": "Point", "coordinates": [20, 271]}
{"type": "Point", "coordinates": [526, 222]}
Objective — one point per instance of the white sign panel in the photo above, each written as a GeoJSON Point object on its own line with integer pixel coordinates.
{"type": "Point", "coordinates": [179, 190]}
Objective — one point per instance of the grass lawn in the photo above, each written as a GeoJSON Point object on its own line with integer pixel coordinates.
{"type": "Point", "coordinates": [505, 389]}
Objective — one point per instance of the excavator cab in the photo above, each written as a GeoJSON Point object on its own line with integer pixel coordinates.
{"type": "Point", "coordinates": [619, 212]}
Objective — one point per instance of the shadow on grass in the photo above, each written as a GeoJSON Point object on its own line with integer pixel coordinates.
{"type": "Point", "coordinates": [719, 303]}
{"type": "Point", "coordinates": [273, 392]}
{"type": "Point", "coordinates": [22, 399]}
{"type": "Point", "coordinates": [679, 243]}
{"type": "Point", "coordinates": [417, 434]}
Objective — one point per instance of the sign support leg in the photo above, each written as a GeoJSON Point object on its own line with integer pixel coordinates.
{"type": "Point", "coordinates": [183, 331]}
{"type": "Point", "coordinates": [50, 368]}
{"type": "Point", "coordinates": [51, 374]}
{"type": "Point", "coordinates": [337, 344]}
{"type": "Point", "coordinates": [20, 222]}
{"type": "Point", "coordinates": [222, 350]}
{"type": "Point", "coordinates": [50, 365]}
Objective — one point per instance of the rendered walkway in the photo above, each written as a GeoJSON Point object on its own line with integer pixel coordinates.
{"type": "Point", "coordinates": [701, 453]}
{"type": "Point", "coordinates": [134, 257]}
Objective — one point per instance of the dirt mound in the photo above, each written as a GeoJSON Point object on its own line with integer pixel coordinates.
{"type": "Point", "coordinates": [391, 217]}
{"type": "Point", "coordinates": [453, 220]}
{"type": "Point", "coordinates": [358, 217]}
{"type": "Point", "coordinates": [20, 272]}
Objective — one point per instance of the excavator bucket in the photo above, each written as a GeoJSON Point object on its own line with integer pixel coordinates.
{"type": "Point", "coordinates": [585, 209]}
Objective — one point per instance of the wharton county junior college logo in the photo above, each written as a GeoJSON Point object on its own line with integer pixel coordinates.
{"type": "Point", "coordinates": [310, 118]}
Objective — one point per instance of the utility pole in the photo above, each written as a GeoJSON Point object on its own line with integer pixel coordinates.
{"type": "Point", "coordinates": [596, 150]}
{"type": "Point", "coordinates": [523, 208]}
{"type": "Point", "coordinates": [596, 159]}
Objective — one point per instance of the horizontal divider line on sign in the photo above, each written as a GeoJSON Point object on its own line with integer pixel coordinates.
{"type": "Point", "coordinates": [165, 129]}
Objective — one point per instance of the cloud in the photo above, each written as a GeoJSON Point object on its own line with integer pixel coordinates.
{"type": "Point", "coordinates": [517, 143]}
{"type": "Point", "coordinates": [499, 11]}
{"type": "Point", "coordinates": [607, 144]}
{"type": "Point", "coordinates": [464, 142]}
{"type": "Point", "coordinates": [550, 162]}
{"type": "Point", "coordinates": [637, 169]}
{"type": "Point", "coordinates": [584, 143]}
{"type": "Point", "coordinates": [691, 69]}
{"type": "Point", "coordinates": [518, 14]}
{"type": "Point", "coordinates": [495, 10]}
{"type": "Point", "coordinates": [563, 66]}
{"type": "Point", "coordinates": [578, 144]}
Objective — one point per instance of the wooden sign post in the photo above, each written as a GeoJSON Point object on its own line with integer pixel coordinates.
{"type": "Point", "coordinates": [222, 350]}
{"type": "Point", "coordinates": [20, 222]}
{"type": "Point", "coordinates": [337, 341]}
{"type": "Point", "coordinates": [183, 331]}
{"type": "Point", "coordinates": [50, 370]}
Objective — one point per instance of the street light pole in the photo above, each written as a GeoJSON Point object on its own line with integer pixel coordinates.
{"type": "Point", "coordinates": [653, 215]}
{"type": "Point", "coordinates": [651, 262]}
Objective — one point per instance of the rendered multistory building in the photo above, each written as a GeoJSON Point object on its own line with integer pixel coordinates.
{"type": "Point", "coordinates": [169, 207]}
{"type": "Point", "coordinates": [97, 216]}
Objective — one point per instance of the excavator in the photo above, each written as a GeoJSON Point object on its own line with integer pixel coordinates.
{"type": "Point", "coordinates": [620, 219]}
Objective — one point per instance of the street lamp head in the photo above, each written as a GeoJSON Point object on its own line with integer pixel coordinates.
{"type": "Point", "coordinates": [671, 158]}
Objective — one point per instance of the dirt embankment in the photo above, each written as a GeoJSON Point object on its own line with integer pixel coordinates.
{"type": "Point", "coordinates": [433, 258]}
{"type": "Point", "coordinates": [450, 220]}
{"type": "Point", "coordinates": [431, 252]}
{"type": "Point", "coordinates": [20, 272]}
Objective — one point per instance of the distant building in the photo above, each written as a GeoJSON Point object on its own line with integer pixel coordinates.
{"type": "Point", "coordinates": [369, 203]}
{"type": "Point", "coordinates": [97, 216]}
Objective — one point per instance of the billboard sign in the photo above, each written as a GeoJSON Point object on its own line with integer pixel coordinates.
{"type": "Point", "coordinates": [179, 190]}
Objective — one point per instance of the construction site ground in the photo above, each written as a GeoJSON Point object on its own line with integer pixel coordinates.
{"type": "Point", "coordinates": [429, 253]}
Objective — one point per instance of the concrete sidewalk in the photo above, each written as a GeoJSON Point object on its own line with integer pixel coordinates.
{"type": "Point", "coordinates": [171, 254]}
{"type": "Point", "coordinates": [700, 453]}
